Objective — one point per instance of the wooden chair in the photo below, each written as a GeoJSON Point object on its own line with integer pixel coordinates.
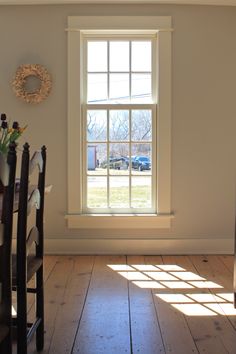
{"type": "Point", "coordinates": [8, 181]}
{"type": "Point", "coordinates": [25, 264]}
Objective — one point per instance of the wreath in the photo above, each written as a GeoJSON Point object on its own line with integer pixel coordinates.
{"type": "Point", "coordinates": [19, 83]}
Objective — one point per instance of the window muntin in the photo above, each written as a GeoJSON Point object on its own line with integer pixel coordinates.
{"type": "Point", "coordinates": [119, 126]}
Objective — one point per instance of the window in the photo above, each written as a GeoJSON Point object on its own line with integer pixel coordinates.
{"type": "Point", "coordinates": [119, 116]}
{"type": "Point", "coordinates": [119, 121]}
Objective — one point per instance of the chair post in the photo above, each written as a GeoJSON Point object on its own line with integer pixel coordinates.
{"type": "Point", "coordinates": [21, 255]}
{"type": "Point", "coordinates": [40, 253]}
{"type": "Point", "coordinates": [40, 211]}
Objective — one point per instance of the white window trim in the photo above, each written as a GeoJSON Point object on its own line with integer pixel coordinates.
{"type": "Point", "coordinates": [152, 24]}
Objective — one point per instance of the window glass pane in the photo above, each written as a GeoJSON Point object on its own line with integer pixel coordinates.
{"type": "Point", "coordinates": [97, 125]}
{"type": "Point", "coordinates": [119, 87]}
{"type": "Point", "coordinates": [97, 88]}
{"type": "Point", "coordinates": [97, 192]}
{"type": "Point", "coordinates": [141, 158]}
{"type": "Point", "coordinates": [97, 159]}
{"type": "Point", "coordinates": [119, 125]}
{"type": "Point", "coordinates": [119, 192]}
{"type": "Point", "coordinates": [141, 56]}
{"type": "Point", "coordinates": [119, 162]}
{"type": "Point", "coordinates": [119, 56]}
{"type": "Point", "coordinates": [141, 192]}
{"type": "Point", "coordinates": [141, 125]}
{"type": "Point", "coordinates": [97, 56]}
{"type": "Point", "coordinates": [141, 88]}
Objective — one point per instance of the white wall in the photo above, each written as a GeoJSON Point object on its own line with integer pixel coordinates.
{"type": "Point", "coordinates": [203, 123]}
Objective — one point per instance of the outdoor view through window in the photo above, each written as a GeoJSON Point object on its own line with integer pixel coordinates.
{"type": "Point", "coordinates": [119, 130]}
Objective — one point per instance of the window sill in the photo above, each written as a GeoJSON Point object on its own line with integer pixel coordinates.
{"type": "Point", "coordinates": [119, 221]}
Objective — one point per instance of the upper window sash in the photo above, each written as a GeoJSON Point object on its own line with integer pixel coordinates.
{"type": "Point", "coordinates": [85, 38]}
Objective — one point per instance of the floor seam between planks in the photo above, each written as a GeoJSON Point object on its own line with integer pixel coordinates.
{"type": "Point", "coordinates": [130, 324]}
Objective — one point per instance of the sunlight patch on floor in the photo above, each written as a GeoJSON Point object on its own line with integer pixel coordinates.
{"type": "Point", "coordinates": [174, 298]}
{"type": "Point", "coordinates": [205, 284]}
{"type": "Point", "coordinates": [187, 276]}
{"type": "Point", "coordinates": [148, 284]}
{"type": "Point", "coordinates": [170, 267]}
{"type": "Point", "coordinates": [145, 267]}
{"type": "Point", "coordinates": [120, 267]}
{"type": "Point", "coordinates": [205, 298]}
{"type": "Point", "coordinates": [227, 296]}
{"type": "Point", "coordinates": [223, 309]}
{"type": "Point", "coordinates": [171, 278]}
{"type": "Point", "coordinates": [160, 275]}
{"type": "Point", "coordinates": [134, 275]}
{"type": "Point", "coordinates": [194, 310]}
{"type": "Point", "coordinates": [177, 285]}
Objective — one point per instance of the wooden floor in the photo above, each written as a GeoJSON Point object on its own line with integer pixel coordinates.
{"type": "Point", "coordinates": [138, 304]}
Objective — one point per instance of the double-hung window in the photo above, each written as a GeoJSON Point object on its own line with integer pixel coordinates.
{"type": "Point", "coordinates": [116, 139]}
{"type": "Point", "coordinates": [119, 124]}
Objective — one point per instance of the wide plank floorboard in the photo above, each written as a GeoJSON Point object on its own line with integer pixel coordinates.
{"type": "Point", "coordinates": [145, 327]}
{"type": "Point", "coordinates": [175, 331]}
{"type": "Point", "coordinates": [138, 305]}
{"type": "Point", "coordinates": [104, 326]}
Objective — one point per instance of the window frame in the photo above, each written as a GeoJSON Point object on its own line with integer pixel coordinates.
{"type": "Point", "coordinates": [84, 25]}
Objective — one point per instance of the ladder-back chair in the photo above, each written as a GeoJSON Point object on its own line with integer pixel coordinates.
{"type": "Point", "coordinates": [25, 264]}
{"type": "Point", "coordinates": [7, 176]}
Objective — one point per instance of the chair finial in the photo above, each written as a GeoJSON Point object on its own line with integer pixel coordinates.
{"type": "Point", "coordinates": [11, 156]}
{"type": "Point", "coordinates": [12, 146]}
{"type": "Point", "coordinates": [26, 147]}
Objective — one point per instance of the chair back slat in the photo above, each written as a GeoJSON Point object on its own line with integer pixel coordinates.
{"type": "Point", "coordinates": [4, 172]}
{"type": "Point", "coordinates": [33, 237]}
{"type": "Point", "coordinates": [34, 201]}
{"type": "Point", "coordinates": [36, 161]}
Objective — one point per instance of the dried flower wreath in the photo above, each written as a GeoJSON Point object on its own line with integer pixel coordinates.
{"type": "Point", "coordinates": [19, 83]}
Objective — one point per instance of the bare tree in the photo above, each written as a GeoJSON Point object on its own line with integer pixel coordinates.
{"type": "Point", "coordinates": [119, 132]}
{"type": "Point", "coordinates": [141, 124]}
{"type": "Point", "coordinates": [96, 126]}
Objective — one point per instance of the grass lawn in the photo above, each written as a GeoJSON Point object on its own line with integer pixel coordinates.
{"type": "Point", "coordinates": [119, 197]}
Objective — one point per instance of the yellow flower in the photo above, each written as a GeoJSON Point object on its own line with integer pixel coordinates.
{"type": "Point", "coordinates": [9, 135]}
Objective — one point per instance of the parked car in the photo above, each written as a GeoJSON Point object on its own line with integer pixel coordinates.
{"type": "Point", "coordinates": [117, 163]}
{"type": "Point", "coordinates": [141, 163]}
{"type": "Point", "coordinates": [127, 160]}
